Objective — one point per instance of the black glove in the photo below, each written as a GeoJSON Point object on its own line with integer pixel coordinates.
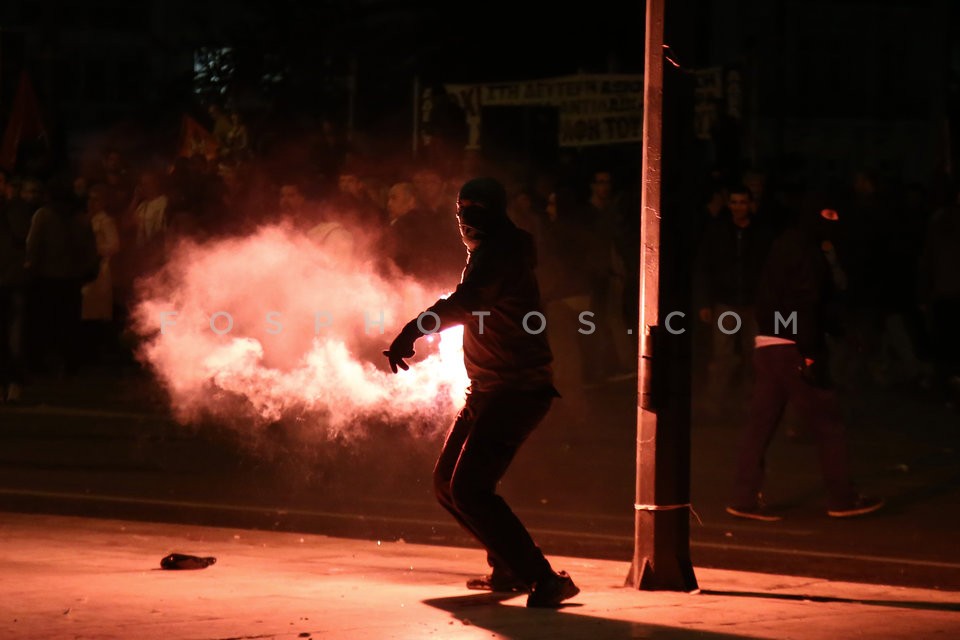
{"type": "Point", "coordinates": [815, 372]}
{"type": "Point", "coordinates": [402, 347]}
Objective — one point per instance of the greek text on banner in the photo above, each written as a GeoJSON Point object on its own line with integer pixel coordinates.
{"type": "Point", "coordinates": [594, 109]}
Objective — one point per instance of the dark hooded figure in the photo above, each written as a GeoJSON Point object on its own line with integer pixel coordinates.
{"type": "Point", "coordinates": [508, 361]}
{"type": "Point", "coordinates": [794, 314]}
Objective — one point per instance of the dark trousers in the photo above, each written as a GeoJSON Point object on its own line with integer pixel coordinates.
{"type": "Point", "coordinates": [480, 446]}
{"type": "Point", "coordinates": [13, 310]}
{"type": "Point", "coordinates": [777, 381]}
{"type": "Point", "coordinates": [946, 337]}
{"type": "Point", "coordinates": [731, 352]}
{"type": "Point", "coordinates": [55, 322]}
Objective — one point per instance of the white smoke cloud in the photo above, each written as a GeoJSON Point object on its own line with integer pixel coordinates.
{"type": "Point", "coordinates": [269, 327]}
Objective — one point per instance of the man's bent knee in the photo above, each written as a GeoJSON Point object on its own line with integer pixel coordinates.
{"type": "Point", "coordinates": [466, 496]}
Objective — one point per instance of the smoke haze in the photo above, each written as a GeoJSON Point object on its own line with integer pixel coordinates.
{"type": "Point", "coordinates": [270, 327]}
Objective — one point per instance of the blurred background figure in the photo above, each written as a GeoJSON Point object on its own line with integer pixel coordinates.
{"type": "Point", "coordinates": [97, 296]}
{"type": "Point", "coordinates": [610, 357]}
{"type": "Point", "coordinates": [566, 294]}
{"type": "Point", "coordinates": [939, 293]}
{"type": "Point", "coordinates": [424, 243]}
{"type": "Point", "coordinates": [15, 215]}
{"type": "Point", "coordinates": [792, 367]}
{"type": "Point", "coordinates": [431, 192]}
{"type": "Point", "coordinates": [61, 256]}
{"type": "Point", "coordinates": [731, 253]}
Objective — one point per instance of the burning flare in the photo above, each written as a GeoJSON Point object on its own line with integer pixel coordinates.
{"type": "Point", "coordinates": [269, 327]}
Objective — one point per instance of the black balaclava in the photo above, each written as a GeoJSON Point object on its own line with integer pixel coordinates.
{"type": "Point", "coordinates": [824, 223]}
{"type": "Point", "coordinates": [483, 192]}
{"type": "Point", "coordinates": [819, 217]}
{"type": "Point", "coordinates": [482, 204]}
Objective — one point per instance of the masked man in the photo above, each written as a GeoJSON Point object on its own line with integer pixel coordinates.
{"type": "Point", "coordinates": [508, 361]}
{"type": "Point", "coordinates": [794, 314]}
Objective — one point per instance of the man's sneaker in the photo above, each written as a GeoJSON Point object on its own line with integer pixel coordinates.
{"type": "Point", "coordinates": [552, 591]}
{"type": "Point", "coordinates": [754, 512]}
{"type": "Point", "coordinates": [860, 506]}
{"type": "Point", "coordinates": [498, 582]}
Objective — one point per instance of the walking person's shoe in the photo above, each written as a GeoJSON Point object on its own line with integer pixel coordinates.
{"type": "Point", "coordinates": [860, 506]}
{"type": "Point", "coordinates": [551, 591]}
{"type": "Point", "coordinates": [754, 512]}
{"type": "Point", "coordinates": [498, 582]}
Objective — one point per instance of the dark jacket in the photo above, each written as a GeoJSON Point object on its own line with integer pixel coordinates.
{"type": "Point", "coordinates": [61, 245]}
{"type": "Point", "coordinates": [499, 279]}
{"type": "Point", "coordinates": [729, 261]}
{"type": "Point", "coordinates": [939, 266]}
{"type": "Point", "coordinates": [563, 269]}
{"type": "Point", "coordinates": [11, 254]}
{"type": "Point", "coordinates": [14, 225]}
{"type": "Point", "coordinates": [796, 279]}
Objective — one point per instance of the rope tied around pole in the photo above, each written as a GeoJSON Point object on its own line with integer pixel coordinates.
{"type": "Point", "coordinates": [669, 507]}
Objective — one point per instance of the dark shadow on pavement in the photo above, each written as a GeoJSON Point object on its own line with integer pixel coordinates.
{"type": "Point", "coordinates": [520, 623]}
{"type": "Point", "coordinates": [900, 604]}
{"type": "Point", "coordinates": [899, 503]}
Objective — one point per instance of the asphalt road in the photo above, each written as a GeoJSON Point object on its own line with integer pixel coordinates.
{"type": "Point", "coordinates": [102, 445]}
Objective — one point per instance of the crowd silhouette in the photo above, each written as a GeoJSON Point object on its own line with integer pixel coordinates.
{"type": "Point", "coordinates": [74, 241]}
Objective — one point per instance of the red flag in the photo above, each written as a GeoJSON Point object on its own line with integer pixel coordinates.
{"type": "Point", "coordinates": [25, 122]}
{"type": "Point", "coordinates": [195, 139]}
